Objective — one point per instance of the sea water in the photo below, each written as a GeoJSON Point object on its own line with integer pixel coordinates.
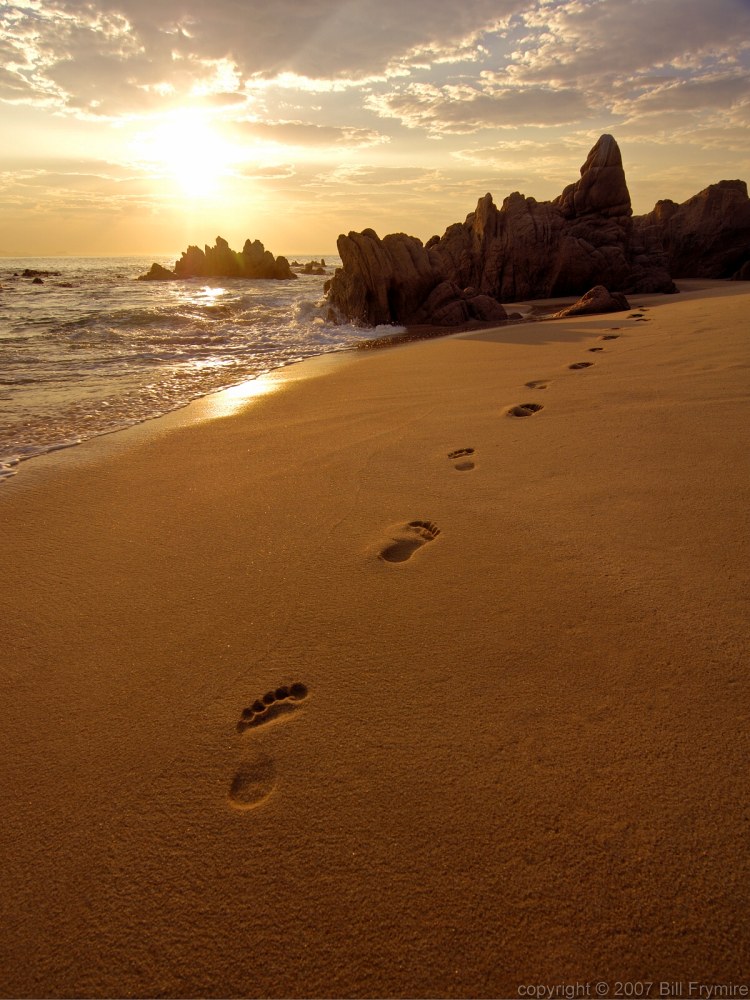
{"type": "Point", "coordinates": [92, 350]}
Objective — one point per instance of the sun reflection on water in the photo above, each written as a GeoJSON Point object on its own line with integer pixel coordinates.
{"type": "Point", "coordinates": [230, 401]}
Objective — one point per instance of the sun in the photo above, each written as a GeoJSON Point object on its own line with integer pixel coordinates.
{"type": "Point", "coordinates": [190, 151]}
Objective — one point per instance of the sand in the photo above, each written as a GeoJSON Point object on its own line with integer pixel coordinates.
{"type": "Point", "coordinates": [517, 752]}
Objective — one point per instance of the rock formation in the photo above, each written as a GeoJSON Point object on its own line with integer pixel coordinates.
{"type": "Point", "coordinates": [158, 273]}
{"type": "Point", "coordinates": [597, 300]}
{"type": "Point", "coordinates": [526, 249]}
{"type": "Point", "coordinates": [707, 236]}
{"type": "Point", "coordinates": [220, 261]}
{"type": "Point", "coordinates": [311, 267]}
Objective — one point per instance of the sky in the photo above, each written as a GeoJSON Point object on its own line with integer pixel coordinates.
{"type": "Point", "coordinates": [140, 126]}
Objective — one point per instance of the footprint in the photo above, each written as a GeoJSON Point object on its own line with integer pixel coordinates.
{"type": "Point", "coordinates": [635, 315]}
{"type": "Point", "coordinates": [610, 336]}
{"type": "Point", "coordinates": [256, 778]}
{"type": "Point", "coordinates": [580, 364]}
{"type": "Point", "coordinates": [281, 701]}
{"type": "Point", "coordinates": [541, 383]}
{"type": "Point", "coordinates": [409, 538]}
{"type": "Point", "coordinates": [524, 409]}
{"type": "Point", "coordinates": [593, 350]}
{"type": "Point", "coordinates": [253, 783]}
{"type": "Point", "coordinates": [462, 453]}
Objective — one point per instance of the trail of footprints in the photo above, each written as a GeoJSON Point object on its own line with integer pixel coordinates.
{"type": "Point", "coordinates": [406, 539]}
{"type": "Point", "coordinates": [255, 779]}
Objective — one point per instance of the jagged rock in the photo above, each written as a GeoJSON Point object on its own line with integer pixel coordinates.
{"type": "Point", "coordinates": [526, 249]}
{"type": "Point", "coordinates": [381, 281]}
{"type": "Point", "coordinates": [707, 236]}
{"type": "Point", "coordinates": [158, 273]}
{"type": "Point", "coordinates": [220, 261]}
{"type": "Point", "coordinates": [257, 262]}
{"type": "Point", "coordinates": [602, 186]}
{"type": "Point", "coordinates": [596, 300]}
{"type": "Point", "coordinates": [191, 264]}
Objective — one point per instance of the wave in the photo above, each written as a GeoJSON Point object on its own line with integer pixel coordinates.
{"type": "Point", "coordinates": [110, 351]}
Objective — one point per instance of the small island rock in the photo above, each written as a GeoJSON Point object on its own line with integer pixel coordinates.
{"type": "Point", "coordinates": [158, 273]}
{"type": "Point", "coordinates": [220, 261]}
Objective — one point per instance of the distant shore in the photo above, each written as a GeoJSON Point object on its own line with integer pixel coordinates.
{"type": "Point", "coordinates": [406, 673]}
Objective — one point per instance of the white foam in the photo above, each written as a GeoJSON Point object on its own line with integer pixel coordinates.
{"type": "Point", "coordinates": [111, 351]}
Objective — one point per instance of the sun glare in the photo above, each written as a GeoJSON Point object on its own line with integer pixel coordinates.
{"type": "Point", "coordinates": [190, 151]}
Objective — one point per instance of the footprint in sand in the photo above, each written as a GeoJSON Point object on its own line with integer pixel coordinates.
{"type": "Point", "coordinates": [464, 463]}
{"type": "Point", "coordinates": [610, 336]}
{"type": "Point", "coordinates": [541, 383]}
{"type": "Point", "coordinates": [524, 409]}
{"type": "Point", "coordinates": [253, 783]}
{"type": "Point", "coordinates": [280, 701]}
{"type": "Point", "coordinates": [407, 539]}
{"type": "Point", "coordinates": [593, 350]}
{"type": "Point", "coordinates": [255, 779]}
{"type": "Point", "coordinates": [580, 364]}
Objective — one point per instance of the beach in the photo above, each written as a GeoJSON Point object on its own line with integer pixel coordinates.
{"type": "Point", "coordinates": [507, 727]}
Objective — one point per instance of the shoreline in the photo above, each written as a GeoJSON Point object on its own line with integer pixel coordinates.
{"type": "Point", "coordinates": [369, 686]}
{"type": "Point", "coordinates": [212, 405]}
{"type": "Point", "coordinates": [533, 312]}
{"type": "Point", "coordinates": [106, 355]}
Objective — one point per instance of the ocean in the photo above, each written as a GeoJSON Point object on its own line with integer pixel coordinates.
{"type": "Point", "coordinates": [91, 350]}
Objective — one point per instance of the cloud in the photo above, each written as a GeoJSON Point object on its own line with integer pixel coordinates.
{"type": "Point", "coordinates": [110, 58]}
{"type": "Point", "coordinates": [465, 109]}
{"type": "Point", "coordinates": [710, 92]}
{"type": "Point", "coordinates": [524, 62]}
{"type": "Point", "coordinates": [85, 188]}
{"type": "Point", "coordinates": [379, 177]}
{"type": "Point", "coordinates": [65, 166]}
{"type": "Point", "coordinates": [591, 41]}
{"type": "Point", "coordinates": [275, 172]}
{"type": "Point", "coordinates": [296, 133]}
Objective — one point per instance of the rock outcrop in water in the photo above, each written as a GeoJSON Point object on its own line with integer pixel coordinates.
{"type": "Point", "coordinates": [158, 273]}
{"type": "Point", "coordinates": [526, 249]}
{"type": "Point", "coordinates": [707, 236]}
{"type": "Point", "coordinates": [220, 261]}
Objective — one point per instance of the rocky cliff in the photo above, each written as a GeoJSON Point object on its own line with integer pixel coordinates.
{"type": "Point", "coordinates": [525, 249]}
{"type": "Point", "coordinates": [528, 249]}
{"type": "Point", "coordinates": [707, 236]}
